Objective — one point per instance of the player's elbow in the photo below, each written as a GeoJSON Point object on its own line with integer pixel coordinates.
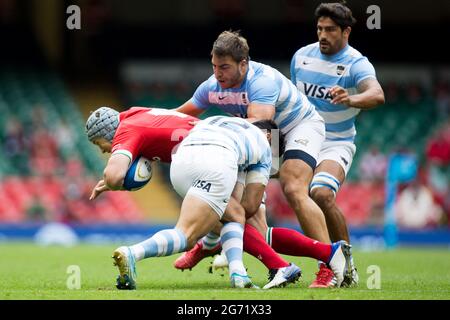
{"type": "Point", "coordinates": [376, 99]}
{"type": "Point", "coordinates": [380, 98]}
{"type": "Point", "coordinates": [113, 179]}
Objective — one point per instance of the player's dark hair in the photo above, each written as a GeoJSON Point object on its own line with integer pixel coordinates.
{"type": "Point", "coordinates": [271, 125]}
{"type": "Point", "coordinates": [338, 12]}
{"type": "Point", "coordinates": [231, 43]}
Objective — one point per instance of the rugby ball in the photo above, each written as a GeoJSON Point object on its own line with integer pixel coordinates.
{"type": "Point", "coordinates": [138, 174]}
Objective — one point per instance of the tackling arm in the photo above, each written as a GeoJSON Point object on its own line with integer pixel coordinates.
{"type": "Point", "coordinates": [252, 197]}
{"type": "Point", "coordinates": [189, 108]}
{"type": "Point", "coordinates": [256, 111]}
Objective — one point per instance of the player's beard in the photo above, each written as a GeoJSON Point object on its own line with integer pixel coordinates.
{"type": "Point", "coordinates": [327, 49]}
{"type": "Point", "coordinates": [332, 48]}
{"type": "Point", "coordinates": [235, 81]}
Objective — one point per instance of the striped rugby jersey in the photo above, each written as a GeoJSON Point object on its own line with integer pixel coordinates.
{"type": "Point", "coordinates": [262, 85]}
{"type": "Point", "coordinates": [253, 152]}
{"type": "Point", "coordinates": [315, 73]}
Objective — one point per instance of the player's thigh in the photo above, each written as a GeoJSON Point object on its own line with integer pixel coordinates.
{"type": "Point", "coordinates": [335, 154]}
{"type": "Point", "coordinates": [196, 218]}
{"type": "Point", "coordinates": [303, 144]}
{"type": "Point", "coordinates": [335, 160]}
{"type": "Point", "coordinates": [295, 176]}
{"type": "Point", "coordinates": [304, 141]}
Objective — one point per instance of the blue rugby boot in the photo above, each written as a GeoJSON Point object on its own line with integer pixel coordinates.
{"type": "Point", "coordinates": [238, 281]}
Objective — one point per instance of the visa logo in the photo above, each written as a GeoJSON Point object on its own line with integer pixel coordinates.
{"type": "Point", "coordinates": [202, 184]}
{"type": "Point", "coordinates": [314, 90]}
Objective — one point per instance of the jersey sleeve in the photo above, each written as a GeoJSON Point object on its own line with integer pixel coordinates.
{"type": "Point", "coordinates": [200, 98]}
{"type": "Point", "coordinates": [242, 175]}
{"type": "Point", "coordinates": [260, 172]}
{"type": "Point", "coordinates": [361, 70]}
{"type": "Point", "coordinates": [263, 90]}
{"type": "Point", "coordinates": [128, 143]}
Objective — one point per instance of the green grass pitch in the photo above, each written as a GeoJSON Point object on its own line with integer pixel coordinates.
{"type": "Point", "coordinates": [34, 272]}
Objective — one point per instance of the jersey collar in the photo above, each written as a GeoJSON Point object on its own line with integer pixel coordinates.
{"type": "Point", "coordinates": [337, 54]}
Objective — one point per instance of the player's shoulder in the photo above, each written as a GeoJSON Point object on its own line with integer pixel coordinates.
{"type": "Point", "coordinates": [131, 112]}
{"type": "Point", "coordinates": [256, 68]}
{"type": "Point", "coordinates": [353, 52]}
{"type": "Point", "coordinates": [211, 82]}
{"type": "Point", "coordinates": [308, 50]}
{"type": "Point", "coordinates": [359, 62]}
{"type": "Point", "coordinates": [355, 55]}
{"type": "Point", "coordinates": [260, 73]}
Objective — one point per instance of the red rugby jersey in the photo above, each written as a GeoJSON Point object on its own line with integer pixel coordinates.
{"type": "Point", "coordinates": [150, 132]}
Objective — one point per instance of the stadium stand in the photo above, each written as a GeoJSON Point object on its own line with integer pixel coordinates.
{"type": "Point", "coordinates": [48, 166]}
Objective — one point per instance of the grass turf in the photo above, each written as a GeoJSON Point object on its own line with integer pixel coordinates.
{"type": "Point", "coordinates": [34, 272]}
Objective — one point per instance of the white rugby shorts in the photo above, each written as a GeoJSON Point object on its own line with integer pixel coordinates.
{"type": "Point", "coordinates": [340, 151]}
{"type": "Point", "coordinates": [307, 136]}
{"type": "Point", "coordinates": [208, 172]}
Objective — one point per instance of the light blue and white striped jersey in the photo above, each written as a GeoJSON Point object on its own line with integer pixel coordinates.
{"type": "Point", "coordinates": [315, 73]}
{"type": "Point", "coordinates": [262, 85]}
{"type": "Point", "coordinates": [253, 152]}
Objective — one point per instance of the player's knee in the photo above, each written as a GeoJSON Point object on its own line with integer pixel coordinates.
{"type": "Point", "coordinates": [324, 197]}
{"type": "Point", "coordinates": [294, 191]}
{"type": "Point", "coordinates": [323, 189]}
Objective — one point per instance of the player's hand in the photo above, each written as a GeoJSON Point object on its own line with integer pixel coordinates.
{"type": "Point", "coordinates": [98, 189]}
{"type": "Point", "coordinates": [340, 96]}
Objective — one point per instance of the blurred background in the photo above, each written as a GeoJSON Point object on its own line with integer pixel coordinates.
{"type": "Point", "coordinates": [155, 53]}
